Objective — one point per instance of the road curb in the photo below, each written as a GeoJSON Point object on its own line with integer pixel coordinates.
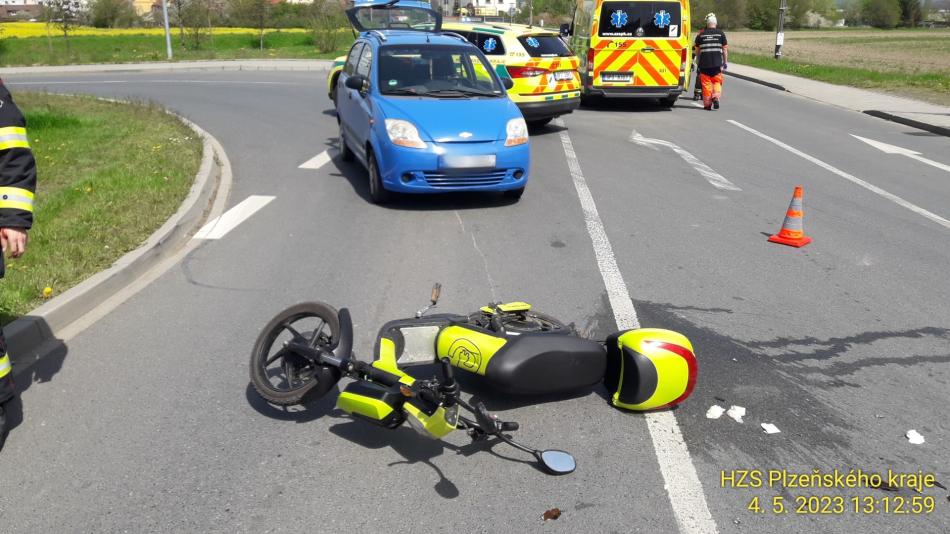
{"type": "Point", "coordinates": [313, 65]}
{"type": "Point", "coordinates": [756, 80]}
{"type": "Point", "coordinates": [932, 128]}
{"type": "Point", "coordinates": [36, 335]}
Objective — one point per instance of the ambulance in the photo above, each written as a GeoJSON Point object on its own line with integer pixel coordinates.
{"type": "Point", "coordinates": [542, 66]}
{"type": "Point", "coordinates": [632, 48]}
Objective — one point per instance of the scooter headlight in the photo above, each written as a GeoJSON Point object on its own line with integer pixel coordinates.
{"type": "Point", "coordinates": [517, 132]}
{"type": "Point", "coordinates": [404, 133]}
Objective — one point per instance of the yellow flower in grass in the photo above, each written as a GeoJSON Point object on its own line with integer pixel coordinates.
{"type": "Point", "coordinates": [47, 292]}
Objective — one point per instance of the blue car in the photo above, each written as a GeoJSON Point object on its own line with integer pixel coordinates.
{"type": "Point", "coordinates": [423, 110]}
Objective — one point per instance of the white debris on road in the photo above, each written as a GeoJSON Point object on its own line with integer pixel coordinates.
{"type": "Point", "coordinates": [770, 428]}
{"type": "Point", "coordinates": [715, 412]}
{"type": "Point", "coordinates": [736, 412]}
{"type": "Point", "coordinates": [914, 437]}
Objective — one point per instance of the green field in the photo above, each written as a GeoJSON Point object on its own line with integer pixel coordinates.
{"type": "Point", "coordinates": [108, 176]}
{"type": "Point", "coordinates": [24, 51]}
{"type": "Point", "coordinates": [914, 63]}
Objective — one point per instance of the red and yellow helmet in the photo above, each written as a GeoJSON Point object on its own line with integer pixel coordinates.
{"type": "Point", "coordinates": [649, 369]}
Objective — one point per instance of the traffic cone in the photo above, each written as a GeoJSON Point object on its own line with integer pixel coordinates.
{"type": "Point", "coordinates": [792, 233]}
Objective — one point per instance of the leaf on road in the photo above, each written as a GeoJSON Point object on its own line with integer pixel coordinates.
{"type": "Point", "coordinates": [551, 514]}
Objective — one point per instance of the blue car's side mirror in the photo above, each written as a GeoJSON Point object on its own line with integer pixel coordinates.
{"type": "Point", "coordinates": [355, 82]}
{"type": "Point", "coordinates": [508, 83]}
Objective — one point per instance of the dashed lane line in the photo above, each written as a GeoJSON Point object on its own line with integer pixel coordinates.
{"type": "Point", "coordinates": [319, 160]}
{"type": "Point", "coordinates": [870, 187]}
{"type": "Point", "coordinates": [229, 220]}
{"type": "Point", "coordinates": [682, 483]}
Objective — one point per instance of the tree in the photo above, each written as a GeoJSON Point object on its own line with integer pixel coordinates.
{"type": "Point", "coordinates": [197, 17]}
{"type": "Point", "coordinates": [911, 12]}
{"type": "Point", "coordinates": [729, 13]}
{"type": "Point", "coordinates": [761, 14]}
{"type": "Point", "coordinates": [178, 4]}
{"type": "Point", "coordinates": [882, 13]}
{"type": "Point", "coordinates": [252, 13]}
{"type": "Point", "coordinates": [327, 19]}
{"type": "Point", "coordinates": [853, 13]}
{"type": "Point", "coordinates": [112, 13]}
{"type": "Point", "coordinates": [63, 15]}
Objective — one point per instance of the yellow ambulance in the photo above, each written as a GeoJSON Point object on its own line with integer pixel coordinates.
{"type": "Point", "coordinates": [542, 66]}
{"type": "Point", "coordinates": [632, 48]}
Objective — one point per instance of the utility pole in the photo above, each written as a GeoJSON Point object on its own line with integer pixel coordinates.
{"type": "Point", "coordinates": [168, 35]}
{"type": "Point", "coordinates": [530, 12]}
{"type": "Point", "coordinates": [780, 34]}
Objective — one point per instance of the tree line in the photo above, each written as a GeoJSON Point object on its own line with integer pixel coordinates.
{"type": "Point", "coordinates": [194, 20]}
{"type": "Point", "coordinates": [763, 14]}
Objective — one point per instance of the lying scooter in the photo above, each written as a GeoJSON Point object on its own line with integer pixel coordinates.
{"type": "Point", "coordinates": [306, 349]}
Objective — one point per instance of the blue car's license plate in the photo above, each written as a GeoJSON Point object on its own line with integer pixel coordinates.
{"type": "Point", "coordinates": [468, 162]}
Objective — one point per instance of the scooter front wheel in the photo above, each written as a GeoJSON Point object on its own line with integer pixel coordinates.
{"type": "Point", "coordinates": [284, 377]}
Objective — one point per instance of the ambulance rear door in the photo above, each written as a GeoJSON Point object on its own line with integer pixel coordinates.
{"type": "Point", "coordinates": [640, 43]}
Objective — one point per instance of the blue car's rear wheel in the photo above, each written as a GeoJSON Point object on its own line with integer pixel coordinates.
{"type": "Point", "coordinates": [377, 192]}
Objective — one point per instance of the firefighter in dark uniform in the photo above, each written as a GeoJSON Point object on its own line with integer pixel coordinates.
{"type": "Point", "coordinates": [17, 185]}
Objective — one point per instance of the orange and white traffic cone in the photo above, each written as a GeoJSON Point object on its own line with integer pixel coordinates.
{"type": "Point", "coordinates": [792, 232]}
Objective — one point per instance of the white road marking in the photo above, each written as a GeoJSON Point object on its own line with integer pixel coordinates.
{"type": "Point", "coordinates": [42, 82]}
{"type": "Point", "coordinates": [682, 483]}
{"type": "Point", "coordinates": [697, 104]}
{"type": "Point", "coordinates": [219, 226]}
{"type": "Point", "coordinates": [319, 160]}
{"type": "Point", "coordinates": [892, 149]}
{"type": "Point", "coordinates": [93, 82]}
{"type": "Point", "coordinates": [241, 82]}
{"type": "Point", "coordinates": [870, 187]}
{"type": "Point", "coordinates": [717, 180]}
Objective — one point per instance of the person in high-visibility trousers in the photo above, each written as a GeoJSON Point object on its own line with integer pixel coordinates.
{"type": "Point", "coordinates": [17, 186]}
{"type": "Point", "coordinates": [697, 88]}
{"type": "Point", "coordinates": [713, 52]}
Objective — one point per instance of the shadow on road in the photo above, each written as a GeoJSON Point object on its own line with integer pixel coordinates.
{"type": "Point", "coordinates": [416, 449]}
{"type": "Point", "coordinates": [637, 105]}
{"type": "Point", "coordinates": [43, 370]}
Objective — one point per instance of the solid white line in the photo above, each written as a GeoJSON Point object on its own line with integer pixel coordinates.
{"type": "Point", "coordinates": [930, 162]}
{"type": "Point", "coordinates": [319, 160]}
{"type": "Point", "coordinates": [219, 226]}
{"type": "Point", "coordinates": [41, 82]}
{"type": "Point", "coordinates": [682, 483]}
{"type": "Point", "coordinates": [717, 180]}
{"type": "Point", "coordinates": [870, 187]}
{"type": "Point", "coordinates": [697, 104]}
{"type": "Point", "coordinates": [241, 82]}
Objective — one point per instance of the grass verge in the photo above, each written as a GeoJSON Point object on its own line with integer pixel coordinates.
{"type": "Point", "coordinates": [143, 48]}
{"type": "Point", "coordinates": [109, 175]}
{"type": "Point", "coordinates": [931, 86]}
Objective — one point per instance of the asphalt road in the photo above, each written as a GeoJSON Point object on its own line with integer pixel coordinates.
{"type": "Point", "coordinates": [149, 424]}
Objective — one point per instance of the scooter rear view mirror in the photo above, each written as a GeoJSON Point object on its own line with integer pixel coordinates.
{"type": "Point", "coordinates": [557, 462]}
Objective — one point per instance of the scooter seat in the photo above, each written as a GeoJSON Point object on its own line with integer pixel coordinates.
{"type": "Point", "coordinates": [536, 364]}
